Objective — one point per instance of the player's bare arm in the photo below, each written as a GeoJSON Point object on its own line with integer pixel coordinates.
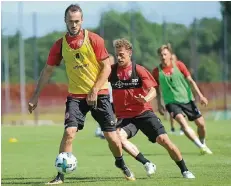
{"type": "Point", "coordinates": [103, 76]}
{"type": "Point", "coordinates": [194, 86]}
{"type": "Point", "coordinates": [44, 77]}
{"type": "Point", "coordinates": [161, 108]}
{"type": "Point", "coordinates": [151, 95]}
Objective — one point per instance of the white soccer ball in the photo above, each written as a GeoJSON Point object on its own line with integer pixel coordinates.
{"type": "Point", "coordinates": [66, 163]}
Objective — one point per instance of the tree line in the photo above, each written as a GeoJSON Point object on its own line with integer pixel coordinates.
{"type": "Point", "coordinates": [199, 46]}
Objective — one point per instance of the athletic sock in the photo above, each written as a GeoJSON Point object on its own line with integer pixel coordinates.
{"type": "Point", "coordinates": [119, 162]}
{"type": "Point", "coordinates": [140, 157]}
{"type": "Point", "coordinates": [173, 129]}
{"type": "Point", "coordinates": [60, 176]}
{"type": "Point", "coordinates": [182, 166]}
{"type": "Point", "coordinates": [198, 143]}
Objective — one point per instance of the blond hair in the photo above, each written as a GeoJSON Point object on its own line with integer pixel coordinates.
{"type": "Point", "coordinates": [118, 43]}
{"type": "Point", "coordinates": [168, 47]}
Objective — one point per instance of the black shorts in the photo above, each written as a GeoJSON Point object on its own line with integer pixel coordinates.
{"type": "Point", "coordinates": [77, 108]}
{"type": "Point", "coordinates": [190, 109]}
{"type": "Point", "coordinates": [147, 122]}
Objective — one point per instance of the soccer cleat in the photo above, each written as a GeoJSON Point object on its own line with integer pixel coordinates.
{"type": "Point", "coordinates": [150, 168]}
{"type": "Point", "coordinates": [188, 175]}
{"type": "Point", "coordinates": [181, 133]}
{"type": "Point", "coordinates": [59, 179]}
{"type": "Point", "coordinates": [128, 174]}
{"type": "Point", "coordinates": [206, 150]}
{"type": "Point", "coordinates": [99, 133]}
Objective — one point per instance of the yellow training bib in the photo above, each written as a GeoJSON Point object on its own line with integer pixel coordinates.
{"type": "Point", "coordinates": [81, 66]}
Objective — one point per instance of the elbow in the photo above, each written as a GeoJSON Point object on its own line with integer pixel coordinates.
{"type": "Point", "coordinates": [48, 70]}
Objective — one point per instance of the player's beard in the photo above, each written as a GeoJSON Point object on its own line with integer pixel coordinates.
{"type": "Point", "coordinates": [71, 34]}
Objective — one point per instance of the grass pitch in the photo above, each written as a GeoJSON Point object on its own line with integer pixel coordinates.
{"type": "Point", "coordinates": [30, 161]}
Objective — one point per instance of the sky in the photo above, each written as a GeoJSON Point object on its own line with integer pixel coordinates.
{"type": "Point", "coordinates": [49, 14]}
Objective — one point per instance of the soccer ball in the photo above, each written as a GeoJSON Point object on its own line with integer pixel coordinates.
{"type": "Point", "coordinates": [65, 163]}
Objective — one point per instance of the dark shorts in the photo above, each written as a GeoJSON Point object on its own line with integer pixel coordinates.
{"type": "Point", "coordinates": [147, 122]}
{"type": "Point", "coordinates": [189, 109]}
{"type": "Point", "coordinates": [77, 108]}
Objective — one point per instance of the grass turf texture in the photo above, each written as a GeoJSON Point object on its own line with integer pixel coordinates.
{"type": "Point", "coordinates": [30, 161]}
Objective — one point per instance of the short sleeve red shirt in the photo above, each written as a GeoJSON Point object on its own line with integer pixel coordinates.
{"type": "Point", "coordinates": [126, 106]}
{"type": "Point", "coordinates": [55, 55]}
{"type": "Point", "coordinates": [169, 69]}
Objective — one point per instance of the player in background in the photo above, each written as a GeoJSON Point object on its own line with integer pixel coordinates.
{"type": "Point", "coordinates": [88, 67]}
{"type": "Point", "coordinates": [167, 115]}
{"type": "Point", "coordinates": [175, 84]}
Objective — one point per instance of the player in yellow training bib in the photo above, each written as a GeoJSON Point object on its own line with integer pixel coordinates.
{"type": "Point", "coordinates": [88, 67]}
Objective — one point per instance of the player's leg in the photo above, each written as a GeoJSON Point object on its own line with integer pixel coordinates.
{"type": "Point", "coordinates": [127, 130]}
{"type": "Point", "coordinates": [171, 124]}
{"type": "Point", "coordinates": [152, 127]}
{"type": "Point", "coordinates": [175, 154]}
{"type": "Point", "coordinates": [74, 120]}
{"type": "Point", "coordinates": [194, 114]}
{"type": "Point", "coordinates": [104, 115]}
{"type": "Point", "coordinates": [176, 112]}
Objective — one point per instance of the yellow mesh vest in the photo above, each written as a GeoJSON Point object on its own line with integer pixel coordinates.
{"type": "Point", "coordinates": [81, 66]}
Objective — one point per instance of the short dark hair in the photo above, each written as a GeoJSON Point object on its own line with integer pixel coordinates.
{"type": "Point", "coordinates": [73, 8]}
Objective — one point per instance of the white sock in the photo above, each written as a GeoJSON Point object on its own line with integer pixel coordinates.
{"type": "Point", "coordinates": [198, 143]}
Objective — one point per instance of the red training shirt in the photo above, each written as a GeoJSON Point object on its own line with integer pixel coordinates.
{"type": "Point", "coordinates": [97, 43]}
{"type": "Point", "coordinates": [126, 106]}
{"type": "Point", "coordinates": [168, 70]}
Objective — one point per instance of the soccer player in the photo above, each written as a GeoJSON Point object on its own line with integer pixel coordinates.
{"type": "Point", "coordinates": [133, 87]}
{"type": "Point", "coordinates": [88, 67]}
{"type": "Point", "coordinates": [175, 83]}
{"type": "Point", "coordinates": [173, 131]}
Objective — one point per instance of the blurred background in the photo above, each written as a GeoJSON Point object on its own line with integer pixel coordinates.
{"type": "Point", "coordinates": [200, 34]}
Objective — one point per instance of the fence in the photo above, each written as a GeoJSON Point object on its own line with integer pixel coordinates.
{"type": "Point", "coordinates": [52, 103]}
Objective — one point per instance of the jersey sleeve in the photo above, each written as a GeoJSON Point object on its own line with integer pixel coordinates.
{"type": "Point", "coordinates": [55, 55]}
{"type": "Point", "coordinates": [98, 46]}
{"type": "Point", "coordinates": [155, 74]}
{"type": "Point", "coordinates": [147, 79]}
{"type": "Point", "coordinates": [181, 66]}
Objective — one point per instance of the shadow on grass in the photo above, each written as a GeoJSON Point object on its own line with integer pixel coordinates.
{"type": "Point", "coordinates": [29, 181]}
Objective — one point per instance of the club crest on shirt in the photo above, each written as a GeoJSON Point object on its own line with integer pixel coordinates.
{"type": "Point", "coordinates": [67, 115]}
{"type": "Point", "coordinates": [129, 73]}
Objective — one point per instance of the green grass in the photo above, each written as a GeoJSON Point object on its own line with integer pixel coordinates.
{"type": "Point", "coordinates": [30, 161]}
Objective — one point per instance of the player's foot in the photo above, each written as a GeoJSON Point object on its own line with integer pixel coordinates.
{"type": "Point", "coordinates": [150, 168]}
{"type": "Point", "coordinates": [188, 175]}
{"type": "Point", "coordinates": [181, 133]}
{"type": "Point", "coordinates": [172, 131]}
{"type": "Point", "coordinates": [206, 150]}
{"type": "Point", "coordinates": [59, 179]}
{"type": "Point", "coordinates": [99, 133]}
{"type": "Point", "coordinates": [128, 174]}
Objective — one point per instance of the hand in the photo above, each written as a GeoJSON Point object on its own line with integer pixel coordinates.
{"type": "Point", "coordinates": [161, 109]}
{"type": "Point", "coordinates": [92, 98]}
{"type": "Point", "coordinates": [32, 104]}
{"type": "Point", "coordinates": [204, 101]}
{"type": "Point", "coordinates": [140, 98]}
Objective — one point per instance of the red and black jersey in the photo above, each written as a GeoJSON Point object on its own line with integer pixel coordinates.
{"type": "Point", "coordinates": [127, 83]}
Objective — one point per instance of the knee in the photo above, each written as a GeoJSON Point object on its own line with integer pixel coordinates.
{"type": "Point", "coordinates": [111, 137]}
{"type": "Point", "coordinates": [200, 122]}
{"type": "Point", "coordinates": [161, 139]}
{"type": "Point", "coordinates": [164, 141]}
{"type": "Point", "coordinates": [69, 134]}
